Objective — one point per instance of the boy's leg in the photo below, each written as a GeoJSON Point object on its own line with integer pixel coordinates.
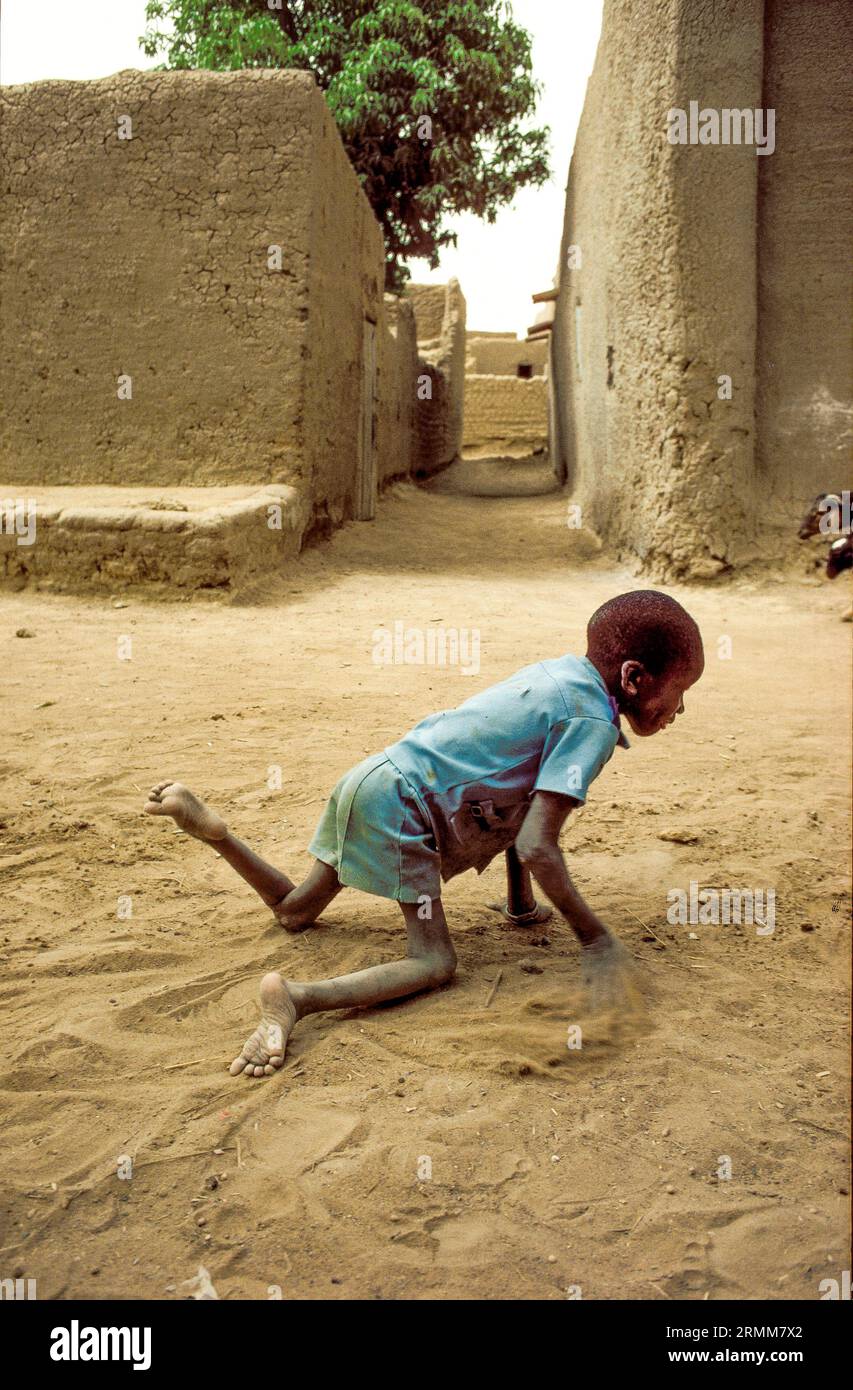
{"type": "Point", "coordinates": [521, 907]}
{"type": "Point", "coordinates": [295, 907]}
{"type": "Point", "coordinates": [431, 961]}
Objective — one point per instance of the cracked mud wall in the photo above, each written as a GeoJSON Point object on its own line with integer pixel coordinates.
{"type": "Point", "coordinates": [805, 229]}
{"type": "Point", "coordinates": [148, 256]}
{"type": "Point", "coordinates": [663, 299]}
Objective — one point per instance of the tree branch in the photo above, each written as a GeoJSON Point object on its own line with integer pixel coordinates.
{"type": "Point", "coordinates": [286, 20]}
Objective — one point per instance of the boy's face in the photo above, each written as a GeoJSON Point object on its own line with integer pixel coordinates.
{"type": "Point", "coordinates": [650, 703]}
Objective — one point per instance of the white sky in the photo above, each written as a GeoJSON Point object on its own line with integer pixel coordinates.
{"type": "Point", "coordinates": [500, 266]}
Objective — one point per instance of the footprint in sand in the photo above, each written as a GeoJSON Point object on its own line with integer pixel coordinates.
{"type": "Point", "coordinates": [789, 1251]}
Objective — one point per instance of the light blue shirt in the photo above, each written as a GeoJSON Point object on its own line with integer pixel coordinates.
{"type": "Point", "coordinates": [550, 727]}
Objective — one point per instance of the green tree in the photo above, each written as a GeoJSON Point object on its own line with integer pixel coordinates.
{"type": "Point", "coordinates": [431, 97]}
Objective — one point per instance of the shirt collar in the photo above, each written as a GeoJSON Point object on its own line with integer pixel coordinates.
{"type": "Point", "coordinates": [614, 708]}
{"type": "Point", "coordinates": [621, 740]}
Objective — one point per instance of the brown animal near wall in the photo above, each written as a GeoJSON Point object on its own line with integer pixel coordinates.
{"type": "Point", "coordinates": [829, 512]}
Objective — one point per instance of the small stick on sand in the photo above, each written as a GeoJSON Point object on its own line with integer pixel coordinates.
{"type": "Point", "coordinates": [176, 1066]}
{"type": "Point", "coordinates": [174, 1158]}
{"type": "Point", "coordinates": [494, 989]}
{"type": "Point", "coordinates": [647, 927]}
{"type": "Point", "coordinates": [217, 989]}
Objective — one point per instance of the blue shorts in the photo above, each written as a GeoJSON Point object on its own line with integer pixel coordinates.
{"type": "Point", "coordinates": [377, 836]}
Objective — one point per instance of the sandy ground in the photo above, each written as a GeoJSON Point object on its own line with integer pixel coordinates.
{"type": "Point", "coordinates": [435, 1148]}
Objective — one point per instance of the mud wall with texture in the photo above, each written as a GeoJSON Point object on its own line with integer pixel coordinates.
{"type": "Point", "coordinates": [428, 302]}
{"type": "Point", "coordinates": [660, 300]}
{"type": "Point", "coordinates": [805, 231]}
{"type": "Point", "coordinates": [495, 356]}
{"type": "Point", "coordinates": [505, 412]}
{"type": "Point", "coordinates": [148, 257]}
{"type": "Point", "coordinates": [440, 399]}
{"type": "Point", "coordinates": [397, 387]}
{"type": "Point", "coordinates": [346, 271]}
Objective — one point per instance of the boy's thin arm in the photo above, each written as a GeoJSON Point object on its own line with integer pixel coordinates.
{"type": "Point", "coordinates": [539, 850]}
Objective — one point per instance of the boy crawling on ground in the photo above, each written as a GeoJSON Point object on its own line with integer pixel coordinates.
{"type": "Point", "coordinates": [500, 773]}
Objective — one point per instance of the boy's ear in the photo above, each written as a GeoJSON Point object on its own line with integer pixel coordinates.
{"type": "Point", "coordinates": [630, 675]}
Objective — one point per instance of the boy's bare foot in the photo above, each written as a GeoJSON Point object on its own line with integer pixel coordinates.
{"type": "Point", "coordinates": [263, 1052]}
{"type": "Point", "coordinates": [175, 800]}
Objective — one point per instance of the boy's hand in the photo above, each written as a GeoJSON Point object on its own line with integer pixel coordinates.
{"type": "Point", "coordinates": [606, 965]}
{"type": "Point", "coordinates": [605, 973]}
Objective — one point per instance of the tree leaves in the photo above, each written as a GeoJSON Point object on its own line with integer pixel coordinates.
{"type": "Point", "coordinates": [386, 66]}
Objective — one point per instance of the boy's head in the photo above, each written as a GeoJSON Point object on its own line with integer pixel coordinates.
{"type": "Point", "coordinates": [649, 651]}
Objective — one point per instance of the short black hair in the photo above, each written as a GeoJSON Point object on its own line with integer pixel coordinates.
{"type": "Point", "coordinates": [646, 626]}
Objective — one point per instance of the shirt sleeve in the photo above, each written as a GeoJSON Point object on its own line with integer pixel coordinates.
{"type": "Point", "coordinates": [575, 751]}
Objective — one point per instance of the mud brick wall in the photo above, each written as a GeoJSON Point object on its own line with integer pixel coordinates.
{"type": "Point", "coordinates": [492, 355]}
{"type": "Point", "coordinates": [505, 412]}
